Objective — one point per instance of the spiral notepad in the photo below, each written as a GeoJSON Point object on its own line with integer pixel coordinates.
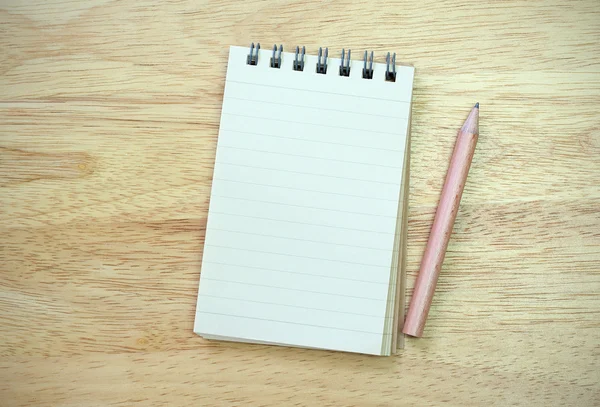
{"type": "Point", "coordinates": [305, 239]}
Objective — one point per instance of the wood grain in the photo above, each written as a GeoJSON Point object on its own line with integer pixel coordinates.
{"type": "Point", "coordinates": [109, 113]}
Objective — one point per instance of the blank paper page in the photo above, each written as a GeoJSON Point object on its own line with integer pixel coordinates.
{"type": "Point", "coordinates": [304, 204]}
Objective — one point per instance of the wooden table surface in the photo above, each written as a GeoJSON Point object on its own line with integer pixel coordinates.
{"type": "Point", "coordinates": [109, 112]}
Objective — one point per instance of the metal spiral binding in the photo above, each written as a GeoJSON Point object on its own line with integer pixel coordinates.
{"type": "Point", "coordinates": [390, 76]}
{"type": "Point", "coordinates": [368, 73]}
{"type": "Point", "coordinates": [345, 70]}
{"type": "Point", "coordinates": [253, 56]}
{"type": "Point", "coordinates": [322, 61]}
{"type": "Point", "coordinates": [299, 63]}
{"type": "Point", "coordinates": [276, 58]}
{"type": "Point", "coordinates": [321, 67]}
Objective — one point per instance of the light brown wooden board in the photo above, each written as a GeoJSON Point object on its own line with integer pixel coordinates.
{"type": "Point", "coordinates": [108, 126]}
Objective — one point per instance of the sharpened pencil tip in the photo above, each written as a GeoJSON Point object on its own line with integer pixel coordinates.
{"type": "Point", "coordinates": [471, 125]}
{"type": "Point", "coordinates": [477, 105]}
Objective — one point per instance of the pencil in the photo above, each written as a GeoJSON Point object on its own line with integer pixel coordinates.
{"type": "Point", "coordinates": [442, 225]}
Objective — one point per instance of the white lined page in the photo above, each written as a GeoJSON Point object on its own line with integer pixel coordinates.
{"type": "Point", "coordinates": [303, 207]}
{"type": "Point", "coordinates": [303, 148]}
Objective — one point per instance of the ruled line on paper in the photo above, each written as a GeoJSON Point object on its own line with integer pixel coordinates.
{"type": "Point", "coordinates": [306, 173]}
{"type": "Point", "coordinates": [314, 124]}
{"type": "Point", "coordinates": [354, 137]}
{"type": "Point", "coordinates": [300, 240]}
{"type": "Point", "coordinates": [294, 306]}
{"type": "Point", "coordinates": [294, 272]}
{"type": "Point", "coordinates": [311, 157]}
{"type": "Point", "coordinates": [319, 91]}
{"type": "Point", "coordinates": [305, 207]}
{"type": "Point", "coordinates": [299, 223]}
{"type": "Point", "coordinates": [298, 256]}
{"type": "Point", "coordinates": [291, 323]}
{"type": "Point", "coordinates": [313, 141]}
{"type": "Point", "coordinates": [305, 190]}
{"type": "Point", "coordinates": [295, 289]}
{"type": "Point", "coordinates": [317, 108]}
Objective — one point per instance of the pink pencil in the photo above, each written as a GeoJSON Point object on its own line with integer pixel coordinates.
{"type": "Point", "coordinates": [442, 225]}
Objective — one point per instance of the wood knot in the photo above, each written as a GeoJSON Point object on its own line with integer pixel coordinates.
{"type": "Point", "coordinates": [19, 166]}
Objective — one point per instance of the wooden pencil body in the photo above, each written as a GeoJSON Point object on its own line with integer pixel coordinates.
{"type": "Point", "coordinates": [441, 230]}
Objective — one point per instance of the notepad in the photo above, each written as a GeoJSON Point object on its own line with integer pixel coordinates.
{"type": "Point", "coordinates": [306, 226]}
